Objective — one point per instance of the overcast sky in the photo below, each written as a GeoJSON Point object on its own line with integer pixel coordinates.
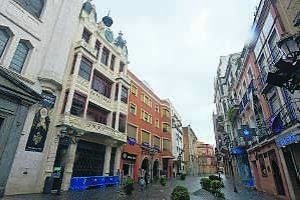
{"type": "Point", "coordinates": [175, 46]}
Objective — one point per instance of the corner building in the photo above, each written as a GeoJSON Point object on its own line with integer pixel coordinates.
{"type": "Point", "coordinates": [148, 149]}
{"type": "Point", "coordinates": [92, 117]}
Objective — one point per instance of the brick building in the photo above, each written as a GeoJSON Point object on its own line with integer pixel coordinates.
{"type": "Point", "coordinates": [189, 144]}
{"type": "Point", "coordinates": [206, 158]}
{"type": "Point", "coordinates": [148, 148]}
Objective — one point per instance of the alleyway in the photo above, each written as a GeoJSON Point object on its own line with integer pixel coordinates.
{"type": "Point", "coordinates": [153, 192]}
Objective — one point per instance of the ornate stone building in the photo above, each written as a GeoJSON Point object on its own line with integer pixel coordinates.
{"type": "Point", "coordinates": [92, 118]}
{"type": "Point", "coordinates": [35, 38]}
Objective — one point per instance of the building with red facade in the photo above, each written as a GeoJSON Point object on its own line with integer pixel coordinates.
{"type": "Point", "coordinates": [148, 149]}
{"type": "Point", "coordinates": [205, 157]}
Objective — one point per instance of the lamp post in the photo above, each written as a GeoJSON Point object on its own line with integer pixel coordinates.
{"type": "Point", "coordinates": [287, 68]}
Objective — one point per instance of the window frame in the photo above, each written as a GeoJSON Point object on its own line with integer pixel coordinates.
{"type": "Point", "coordinates": [36, 15]}
{"type": "Point", "coordinates": [6, 31]}
{"type": "Point", "coordinates": [89, 71]}
{"type": "Point", "coordinates": [26, 57]}
{"type": "Point", "coordinates": [99, 82]}
{"type": "Point", "coordinates": [135, 108]}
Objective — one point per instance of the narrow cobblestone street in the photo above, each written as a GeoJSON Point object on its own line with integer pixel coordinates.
{"type": "Point", "coordinates": [153, 191]}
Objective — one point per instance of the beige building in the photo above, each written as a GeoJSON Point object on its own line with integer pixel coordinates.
{"type": "Point", "coordinates": [92, 117]}
{"type": "Point", "coordinates": [189, 144]}
{"type": "Point", "coordinates": [206, 158]}
{"type": "Point", "coordinates": [35, 39]}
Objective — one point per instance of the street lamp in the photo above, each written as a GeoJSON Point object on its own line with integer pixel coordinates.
{"type": "Point", "coordinates": [287, 73]}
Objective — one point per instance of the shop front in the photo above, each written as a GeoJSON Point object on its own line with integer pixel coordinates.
{"type": "Point", "coordinates": [289, 148]}
{"type": "Point", "coordinates": [267, 169]}
{"type": "Point", "coordinates": [128, 164]}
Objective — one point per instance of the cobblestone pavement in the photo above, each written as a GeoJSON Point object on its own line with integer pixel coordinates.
{"type": "Point", "coordinates": [154, 191]}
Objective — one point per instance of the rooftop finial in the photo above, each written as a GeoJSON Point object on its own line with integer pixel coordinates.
{"type": "Point", "coordinates": [107, 20]}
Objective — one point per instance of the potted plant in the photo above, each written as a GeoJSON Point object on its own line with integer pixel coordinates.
{"type": "Point", "coordinates": [163, 180]}
{"type": "Point", "coordinates": [180, 193]}
{"type": "Point", "coordinates": [128, 186]}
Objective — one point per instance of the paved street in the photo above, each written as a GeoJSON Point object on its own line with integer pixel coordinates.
{"type": "Point", "coordinates": [154, 191]}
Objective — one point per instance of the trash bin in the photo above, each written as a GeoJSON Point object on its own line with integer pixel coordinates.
{"type": "Point", "coordinates": [48, 185]}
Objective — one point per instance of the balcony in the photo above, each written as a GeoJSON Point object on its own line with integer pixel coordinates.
{"type": "Point", "coordinates": [100, 100]}
{"type": "Point", "coordinates": [91, 127]}
{"type": "Point", "coordinates": [82, 44]}
{"type": "Point", "coordinates": [285, 117]}
{"type": "Point", "coordinates": [245, 100]}
{"type": "Point", "coordinates": [220, 123]}
{"type": "Point", "coordinates": [81, 84]}
{"type": "Point", "coordinates": [105, 70]}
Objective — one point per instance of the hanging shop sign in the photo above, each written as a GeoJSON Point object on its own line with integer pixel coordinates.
{"type": "Point", "coordinates": [246, 133]}
{"type": "Point", "coordinates": [131, 140]}
{"type": "Point", "coordinates": [128, 156]}
{"type": "Point", "coordinates": [238, 151]}
{"type": "Point", "coordinates": [40, 125]}
{"type": "Point", "coordinates": [287, 139]}
{"type": "Point", "coordinates": [145, 145]}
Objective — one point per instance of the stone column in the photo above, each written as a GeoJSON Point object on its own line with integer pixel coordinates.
{"type": "Point", "coordinates": [72, 89]}
{"type": "Point", "coordinates": [109, 59]}
{"type": "Point", "coordinates": [107, 160]}
{"type": "Point", "coordinates": [100, 53]}
{"type": "Point", "coordinates": [117, 161]}
{"type": "Point", "coordinates": [69, 162]}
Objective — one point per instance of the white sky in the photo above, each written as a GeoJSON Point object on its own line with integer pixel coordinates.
{"type": "Point", "coordinates": [175, 46]}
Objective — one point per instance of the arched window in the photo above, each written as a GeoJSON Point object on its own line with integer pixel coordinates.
{"type": "Point", "coordinates": [20, 55]}
{"type": "Point", "coordinates": [4, 37]}
{"type": "Point", "coordinates": [34, 7]}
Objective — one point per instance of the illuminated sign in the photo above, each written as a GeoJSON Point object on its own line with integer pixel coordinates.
{"type": "Point", "coordinates": [287, 139]}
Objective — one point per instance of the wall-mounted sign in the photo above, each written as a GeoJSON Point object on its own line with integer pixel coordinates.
{"type": "Point", "coordinates": [40, 124]}
{"type": "Point", "coordinates": [238, 151]}
{"type": "Point", "coordinates": [145, 145]}
{"type": "Point", "coordinates": [38, 132]}
{"type": "Point", "coordinates": [128, 156]}
{"type": "Point", "coordinates": [131, 141]}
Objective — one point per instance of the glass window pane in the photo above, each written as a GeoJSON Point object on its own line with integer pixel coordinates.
{"type": "Point", "coordinates": [19, 57]}
{"type": "Point", "coordinates": [34, 7]}
{"type": "Point", "coordinates": [4, 37]}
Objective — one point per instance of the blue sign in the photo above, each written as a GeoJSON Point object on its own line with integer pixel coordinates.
{"type": "Point", "coordinates": [145, 145]}
{"type": "Point", "coordinates": [131, 141]}
{"type": "Point", "coordinates": [287, 139]}
{"type": "Point", "coordinates": [238, 151]}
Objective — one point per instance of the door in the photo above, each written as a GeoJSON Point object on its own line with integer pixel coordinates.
{"type": "Point", "coordinates": [8, 147]}
{"type": "Point", "coordinates": [276, 173]}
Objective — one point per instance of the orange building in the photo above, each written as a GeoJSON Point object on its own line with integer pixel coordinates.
{"type": "Point", "coordinates": [148, 148]}
{"type": "Point", "coordinates": [206, 158]}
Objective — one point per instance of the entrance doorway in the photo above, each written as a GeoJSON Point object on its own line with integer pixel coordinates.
{"type": "Point", "coordinates": [276, 173]}
{"type": "Point", "coordinates": [155, 170]}
{"type": "Point", "coordinates": [89, 159]}
{"type": "Point", "coordinates": [145, 169]}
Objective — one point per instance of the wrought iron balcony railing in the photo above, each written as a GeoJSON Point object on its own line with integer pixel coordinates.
{"type": "Point", "coordinates": [285, 117]}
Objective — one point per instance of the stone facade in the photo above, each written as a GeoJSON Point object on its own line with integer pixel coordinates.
{"type": "Point", "coordinates": [38, 32]}
{"type": "Point", "coordinates": [189, 144]}
{"type": "Point", "coordinates": [206, 158]}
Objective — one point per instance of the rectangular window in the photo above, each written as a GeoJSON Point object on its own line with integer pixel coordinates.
{"type": "Point", "coordinates": [86, 35]}
{"type": "Point", "coordinates": [165, 113]}
{"type": "Point", "coordinates": [157, 123]}
{"type": "Point", "coordinates": [124, 95]}
{"type": "Point", "coordinates": [122, 65]}
{"type": "Point", "coordinates": [145, 137]}
{"type": "Point", "coordinates": [122, 123]}
{"type": "Point", "coordinates": [146, 117]}
{"type": "Point", "coordinates": [101, 85]}
{"type": "Point", "coordinates": [131, 131]}
{"type": "Point", "coordinates": [4, 37]}
{"type": "Point", "coordinates": [97, 47]}
{"type": "Point", "coordinates": [166, 145]}
{"type": "Point", "coordinates": [166, 127]}
{"type": "Point", "coordinates": [112, 62]}
{"type": "Point", "coordinates": [85, 68]}
{"type": "Point", "coordinates": [249, 74]}
{"type": "Point", "coordinates": [20, 55]}
{"type": "Point", "coordinates": [272, 43]}
{"type": "Point", "coordinates": [156, 141]}
{"type": "Point", "coordinates": [97, 114]}
{"type": "Point", "coordinates": [133, 90]}
{"type": "Point", "coordinates": [104, 57]}
{"type": "Point", "coordinates": [147, 100]}
{"type": "Point", "coordinates": [263, 66]}
{"type": "Point", "coordinates": [133, 109]}
{"type": "Point", "coordinates": [78, 104]}
{"type": "Point", "coordinates": [156, 108]}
